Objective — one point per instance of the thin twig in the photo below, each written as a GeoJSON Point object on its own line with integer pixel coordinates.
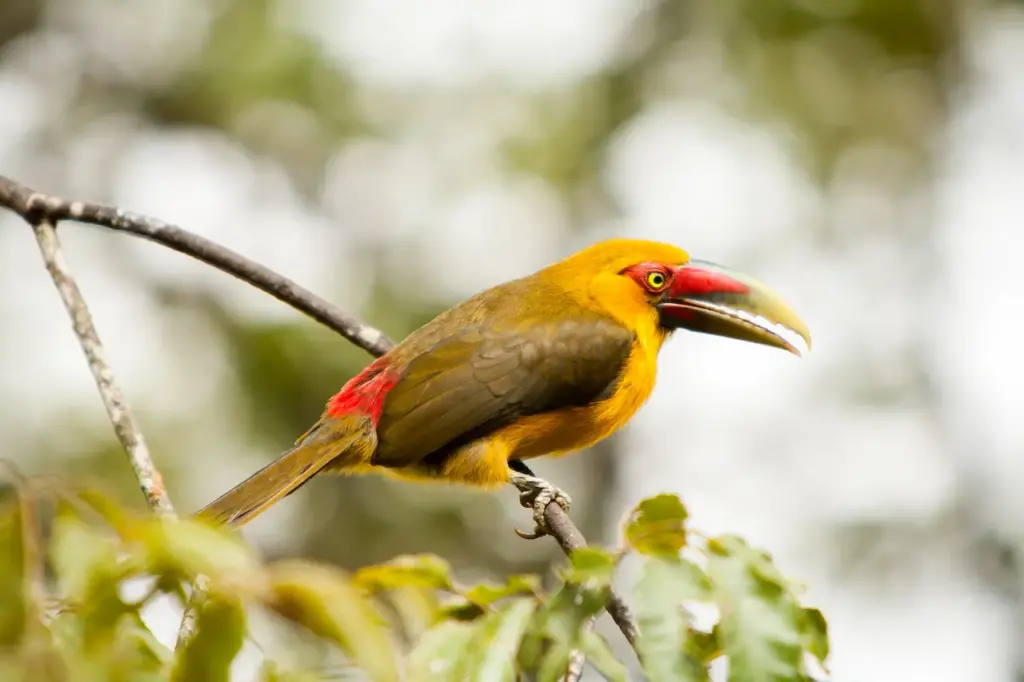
{"type": "Point", "coordinates": [125, 426]}
{"type": "Point", "coordinates": [190, 617]}
{"type": "Point", "coordinates": [577, 662]}
{"type": "Point", "coordinates": [37, 207]}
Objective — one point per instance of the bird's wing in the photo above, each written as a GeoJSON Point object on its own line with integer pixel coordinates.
{"type": "Point", "coordinates": [480, 380]}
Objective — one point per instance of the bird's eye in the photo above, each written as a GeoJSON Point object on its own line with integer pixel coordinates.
{"type": "Point", "coordinates": [656, 280]}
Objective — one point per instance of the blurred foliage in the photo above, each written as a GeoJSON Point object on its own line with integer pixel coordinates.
{"type": "Point", "coordinates": [570, 129]}
{"type": "Point", "coordinates": [847, 72]}
{"type": "Point", "coordinates": [66, 556]}
{"type": "Point", "coordinates": [270, 88]}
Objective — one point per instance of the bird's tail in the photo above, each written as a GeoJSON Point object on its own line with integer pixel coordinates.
{"type": "Point", "coordinates": [342, 444]}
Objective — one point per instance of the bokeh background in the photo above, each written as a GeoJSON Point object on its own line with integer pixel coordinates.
{"type": "Point", "coordinates": [864, 157]}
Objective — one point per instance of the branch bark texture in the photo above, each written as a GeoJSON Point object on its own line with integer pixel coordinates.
{"type": "Point", "coordinates": [121, 418]}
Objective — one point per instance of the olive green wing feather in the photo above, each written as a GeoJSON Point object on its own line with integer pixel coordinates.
{"type": "Point", "coordinates": [480, 380]}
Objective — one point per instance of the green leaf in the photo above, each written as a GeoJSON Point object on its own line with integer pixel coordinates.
{"type": "Point", "coordinates": [220, 632]}
{"type": "Point", "coordinates": [11, 668]}
{"type": "Point", "coordinates": [424, 570]}
{"type": "Point", "coordinates": [440, 654]}
{"type": "Point", "coordinates": [664, 584]}
{"type": "Point", "coordinates": [270, 672]}
{"type": "Point", "coordinates": [559, 628]}
{"type": "Point", "coordinates": [555, 663]}
{"type": "Point", "coordinates": [83, 556]}
{"type": "Point", "coordinates": [570, 609]}
{"type": "Point", "coordinates": [600, 655]}
{"type": "Point", "coordinates": [13, 597]}
{"type": "Point", "coordinates": [328, 604]}
{"type": "Point", "coordinates": [593, 566]}
{"type": "Point", "coordinates": [495, 645]}
{"type": "Point", "coordinates": [418, 609]}
{"type": "Point", "coordinates": [461, 609]}
{"type": "Point", "coordinates": [85, 560]}
{"type": "Point", "coordinates": [658, 526]}
{"type": "Point", "coordinates": [131, 657]}
{"type": "Point", "coordinates": [66, 631]}
{"type": "Point", "coordinates": [475, 601]}
{"type": "Point", "coordinates": [486, 594]}
{"type": "Point", "coordinates": [148, 644]}
{"type": "Point", "coordinates": [759, 630]}
{"type": "Point", "coordinates": [703, 646]}
{"type": "Point", "coordinates": [192, 548]}
{"type": "Point", "coordinates": [125, 651]}
{"type": "Point", "coordinates": [112, 514]}
{"type": "Point", "coordinates": [814, 633]}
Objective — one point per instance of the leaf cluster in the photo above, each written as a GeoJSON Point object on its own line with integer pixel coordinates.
{"type": "Point", "coordinates": [66, 558]}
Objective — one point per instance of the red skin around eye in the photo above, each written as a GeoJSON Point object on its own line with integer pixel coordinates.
{"type": "Point", "coordinates": [639, 273]}
{"type": "Point", "coordinates": [686, 280]}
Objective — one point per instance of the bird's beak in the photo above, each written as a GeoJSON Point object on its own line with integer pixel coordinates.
{"type": "Point", "coordinates": [711, 299]}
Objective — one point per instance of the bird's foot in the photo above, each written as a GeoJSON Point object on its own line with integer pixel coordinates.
{"type": "Point", "coordinates": [536, 493]}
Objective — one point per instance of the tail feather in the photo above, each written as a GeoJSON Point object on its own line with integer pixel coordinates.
{"type": "Point", "coordinates": [320, 447]}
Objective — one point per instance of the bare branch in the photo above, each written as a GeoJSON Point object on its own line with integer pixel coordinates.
{"type": "Point", "coordinates": [190, 617]}
{"type": "Point", "coordinates": [577, 661]}
{"type": "Point", "coordinates": [32, 205]}
{"type": "Point", "coordinates": [43, 211]}
{"type": "Point", "coordinates": [125, 426]}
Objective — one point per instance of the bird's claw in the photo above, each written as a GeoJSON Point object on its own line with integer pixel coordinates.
{"type": "Point", "coordinates": [537, 494]}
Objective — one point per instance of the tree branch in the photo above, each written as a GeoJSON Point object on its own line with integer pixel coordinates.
{"type": "Point", "coordinates": [125, 426]}
{"type": "Point", "coordinates": [32, 206]}
{"type": "Point", "coordinates": [43, 211]}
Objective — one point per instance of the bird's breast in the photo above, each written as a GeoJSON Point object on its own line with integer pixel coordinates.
{"type": "Point", "coordinates": [575, 428]}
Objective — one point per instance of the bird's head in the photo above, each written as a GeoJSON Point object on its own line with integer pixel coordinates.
{"type": "Point", "coordinates": [642, 281]}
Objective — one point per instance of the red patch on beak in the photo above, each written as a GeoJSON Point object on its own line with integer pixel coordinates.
{"type": "Point", "coordinates": [693, 280]}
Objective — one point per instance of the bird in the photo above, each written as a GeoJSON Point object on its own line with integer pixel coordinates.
{"type": "Point", "coordinates": [546, 364]}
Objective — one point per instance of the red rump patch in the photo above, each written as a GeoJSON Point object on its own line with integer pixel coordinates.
{"type": "Point", "coordinates": [365, 392]}
{"type": "Point", "coordinates": [695, 280]}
